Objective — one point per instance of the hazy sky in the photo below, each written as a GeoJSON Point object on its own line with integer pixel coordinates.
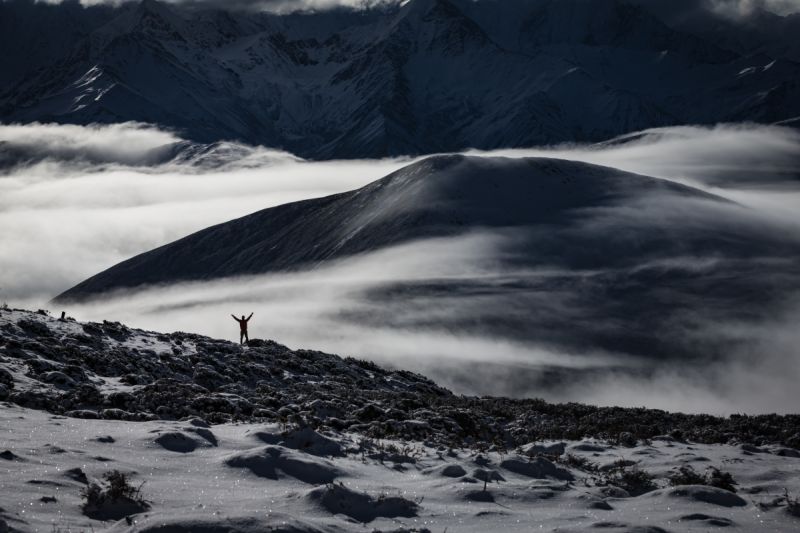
{"type": "Point", "coordinates": [75, 200]}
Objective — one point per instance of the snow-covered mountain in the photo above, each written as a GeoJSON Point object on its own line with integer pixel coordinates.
{"type": "Point", "coordinates": [425, 76]}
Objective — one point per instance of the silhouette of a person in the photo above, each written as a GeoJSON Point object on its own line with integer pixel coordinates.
{"type": "Point", "coordinates": [243, 328]}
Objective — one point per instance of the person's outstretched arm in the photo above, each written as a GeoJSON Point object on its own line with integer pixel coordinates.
{"type": "Point", "coordinates": [236, 319]}
{"type": "Point", "coordinates": [251, 316]}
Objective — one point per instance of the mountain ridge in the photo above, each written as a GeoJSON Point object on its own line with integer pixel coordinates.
{"type": "Point", "coordinates": [438, 196]}
{"type": "Point", "coordinates": [427, 76]}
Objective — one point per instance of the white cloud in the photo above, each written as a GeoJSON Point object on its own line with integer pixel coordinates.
{"type": "Point", "coordinates": [94, 197]}
{"type": "Point", "coordinates": [126, 143]}
{"type": "Point", "coordinates": [745, 8]}
{"type": "Point", "coordinates": [723, 155]}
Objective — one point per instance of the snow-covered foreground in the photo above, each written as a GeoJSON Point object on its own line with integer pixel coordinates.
{"type": "Point", "coordinates": [253, 477]}
{"type": "Point", "coordinates": [104, 427]}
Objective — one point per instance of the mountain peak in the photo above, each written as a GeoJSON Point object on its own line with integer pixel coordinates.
{"type": "Point", "coordinates": [441, 26]}
{"type": "Point", "coordinates": [437, 196]}
{"type": "Point", "coordinates": [159, 20]}
{"type": "Point", "coordinates": [153, 6]}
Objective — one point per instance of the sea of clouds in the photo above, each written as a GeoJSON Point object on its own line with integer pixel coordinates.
{"type": "Point", "coordinates": [75, 200]}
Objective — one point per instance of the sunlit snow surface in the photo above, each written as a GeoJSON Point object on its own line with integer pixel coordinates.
{"type": "Point", "coordinates": [253, 476]}
{"type": "Point", "coordinates": [201, 487]}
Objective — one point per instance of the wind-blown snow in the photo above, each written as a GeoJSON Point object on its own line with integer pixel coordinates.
{"type": "Point", "coordinates": [208, 488]}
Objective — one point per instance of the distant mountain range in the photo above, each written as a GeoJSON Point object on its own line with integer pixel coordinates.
{"type": "Point", "coordinates": [419, 77]}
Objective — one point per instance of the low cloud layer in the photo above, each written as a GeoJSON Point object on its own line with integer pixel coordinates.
{"type": "Point", "coordinates": [725, 156]}
{"type": "Point", "coordinates": [88, 197]}
{"type": "Point", "coordinates": [128, 143]}
{"type": "Point", "coordinates": [745, 8]}
{"type": "Point", "coordinates": [335, 309]}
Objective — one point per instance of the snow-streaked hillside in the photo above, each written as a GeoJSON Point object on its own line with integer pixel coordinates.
{"type": "Point", "coordinates": [223, 438]}
{"type": "Point", "coordinates": [422, 77]}
{"type": "Point", "coordinates": [438, 196]}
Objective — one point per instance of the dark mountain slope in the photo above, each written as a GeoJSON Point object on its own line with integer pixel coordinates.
{"type": "Point", "coordinates": [442, 195]}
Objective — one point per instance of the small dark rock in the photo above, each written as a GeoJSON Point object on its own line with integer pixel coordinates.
{"type": "Point", "coordinates": [538, 468]}
{"type": "Point", "coordinates": [8, 455]}
{"type": "Point", "coordinates": [453, 471]}
{"type": "Point", "coordinates": [76, 474]}
{"type": "Point", "coordinates": [480, 496]}
{"type": "Point", "coordinates": [83, 413]}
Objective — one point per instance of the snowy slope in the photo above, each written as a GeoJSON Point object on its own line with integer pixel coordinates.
{"type": "Point", "coordinates": [321, 443]}
{"type": "Point", "coordinates": [424, 77]}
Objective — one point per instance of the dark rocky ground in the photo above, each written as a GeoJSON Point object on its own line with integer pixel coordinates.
{"type": "Point", "coordinates": [107, 370]}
